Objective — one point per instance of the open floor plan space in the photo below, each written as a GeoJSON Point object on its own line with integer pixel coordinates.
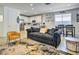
{"type": "Point", "coordinates": [39, 28]}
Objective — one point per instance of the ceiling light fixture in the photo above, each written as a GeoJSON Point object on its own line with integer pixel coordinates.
{"type": "Point", "coordinates": [31, 4]}
{"type": "Point", "coordinates": [32, 8]}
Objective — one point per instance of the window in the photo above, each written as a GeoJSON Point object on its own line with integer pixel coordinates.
{"type": "Point", "coordinates": [1, 18]}
{"type": "Point", "coordinates": [64, 19]}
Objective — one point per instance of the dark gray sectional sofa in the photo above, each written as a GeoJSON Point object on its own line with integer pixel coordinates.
{"type": "Point", "coordinates": [52, 37]}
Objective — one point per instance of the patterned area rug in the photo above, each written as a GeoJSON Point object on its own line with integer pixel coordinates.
{"type": "Point", "coordinates": [30, 47]}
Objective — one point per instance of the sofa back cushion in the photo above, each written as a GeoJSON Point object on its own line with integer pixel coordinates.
{"type": "Point", "coordinates": [35, 29]}
{"type": "Point", "coordinates": [51, 31]}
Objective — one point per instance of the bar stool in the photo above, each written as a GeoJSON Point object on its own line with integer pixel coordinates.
{"type": "Point", "coordinates": [70, 30]}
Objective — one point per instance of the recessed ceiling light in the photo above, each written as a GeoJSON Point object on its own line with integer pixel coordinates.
{"type": "Point", "coordinates": [68, 4]}
{"type": "Point", "coordinates": [31, 4]}
{"type": "Point", "coordinates": [32, 8]}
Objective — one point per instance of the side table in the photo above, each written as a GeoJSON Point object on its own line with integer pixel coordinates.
{"type": "Point", "coordinates": [72, 44]}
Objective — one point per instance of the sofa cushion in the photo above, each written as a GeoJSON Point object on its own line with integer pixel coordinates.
{"type": "Point", "coordinates": [47, 36]}
{"type": "Point", "coordinates": [41, 35]}
{"type": "Point", "coordinates": [51, 31]}
{"type": "Point", "coordinates": [36, 34]}
{"type": "Point", "coordinates": [35, 29]}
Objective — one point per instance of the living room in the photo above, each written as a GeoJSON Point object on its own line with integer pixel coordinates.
{"type": "Point", "coordinates": [28, 20]}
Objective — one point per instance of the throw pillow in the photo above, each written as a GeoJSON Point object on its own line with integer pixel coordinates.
{"type": "Point", "coordinates": [43, 30]}
{"type": "Point", "coordinates": [51, 31]}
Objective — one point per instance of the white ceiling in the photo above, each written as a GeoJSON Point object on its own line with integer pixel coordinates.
{"type": "Point", "coordinates": [38, 8]}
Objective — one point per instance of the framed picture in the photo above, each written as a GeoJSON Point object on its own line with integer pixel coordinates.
{"type": "Point", "coordinates": [77, 17]}
{"type": "Point", "coordinates": [18, 19]}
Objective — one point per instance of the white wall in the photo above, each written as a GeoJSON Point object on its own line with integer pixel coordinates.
{"type": "Point", "coordinates": [74, 22]}
{"type": "Point", "coordinates": [38, 20]}
{"type": "Point", "coordinates": [1, 25]}
{"type": "Point", "coordinates": [26, 19]}
{"type": "Point", "coordinates": [1, 29]}
{"type": "Point", "coordinates": [50, 16]}
{"type": "Point", "coordinates": [10, 20]}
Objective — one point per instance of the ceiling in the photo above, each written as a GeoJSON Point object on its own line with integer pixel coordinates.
{"type": "Point", "coordinates": [39, 8]}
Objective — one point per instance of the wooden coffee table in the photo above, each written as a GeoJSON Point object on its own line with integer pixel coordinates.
{"type": "Point", "coordinates": [72, 44]}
